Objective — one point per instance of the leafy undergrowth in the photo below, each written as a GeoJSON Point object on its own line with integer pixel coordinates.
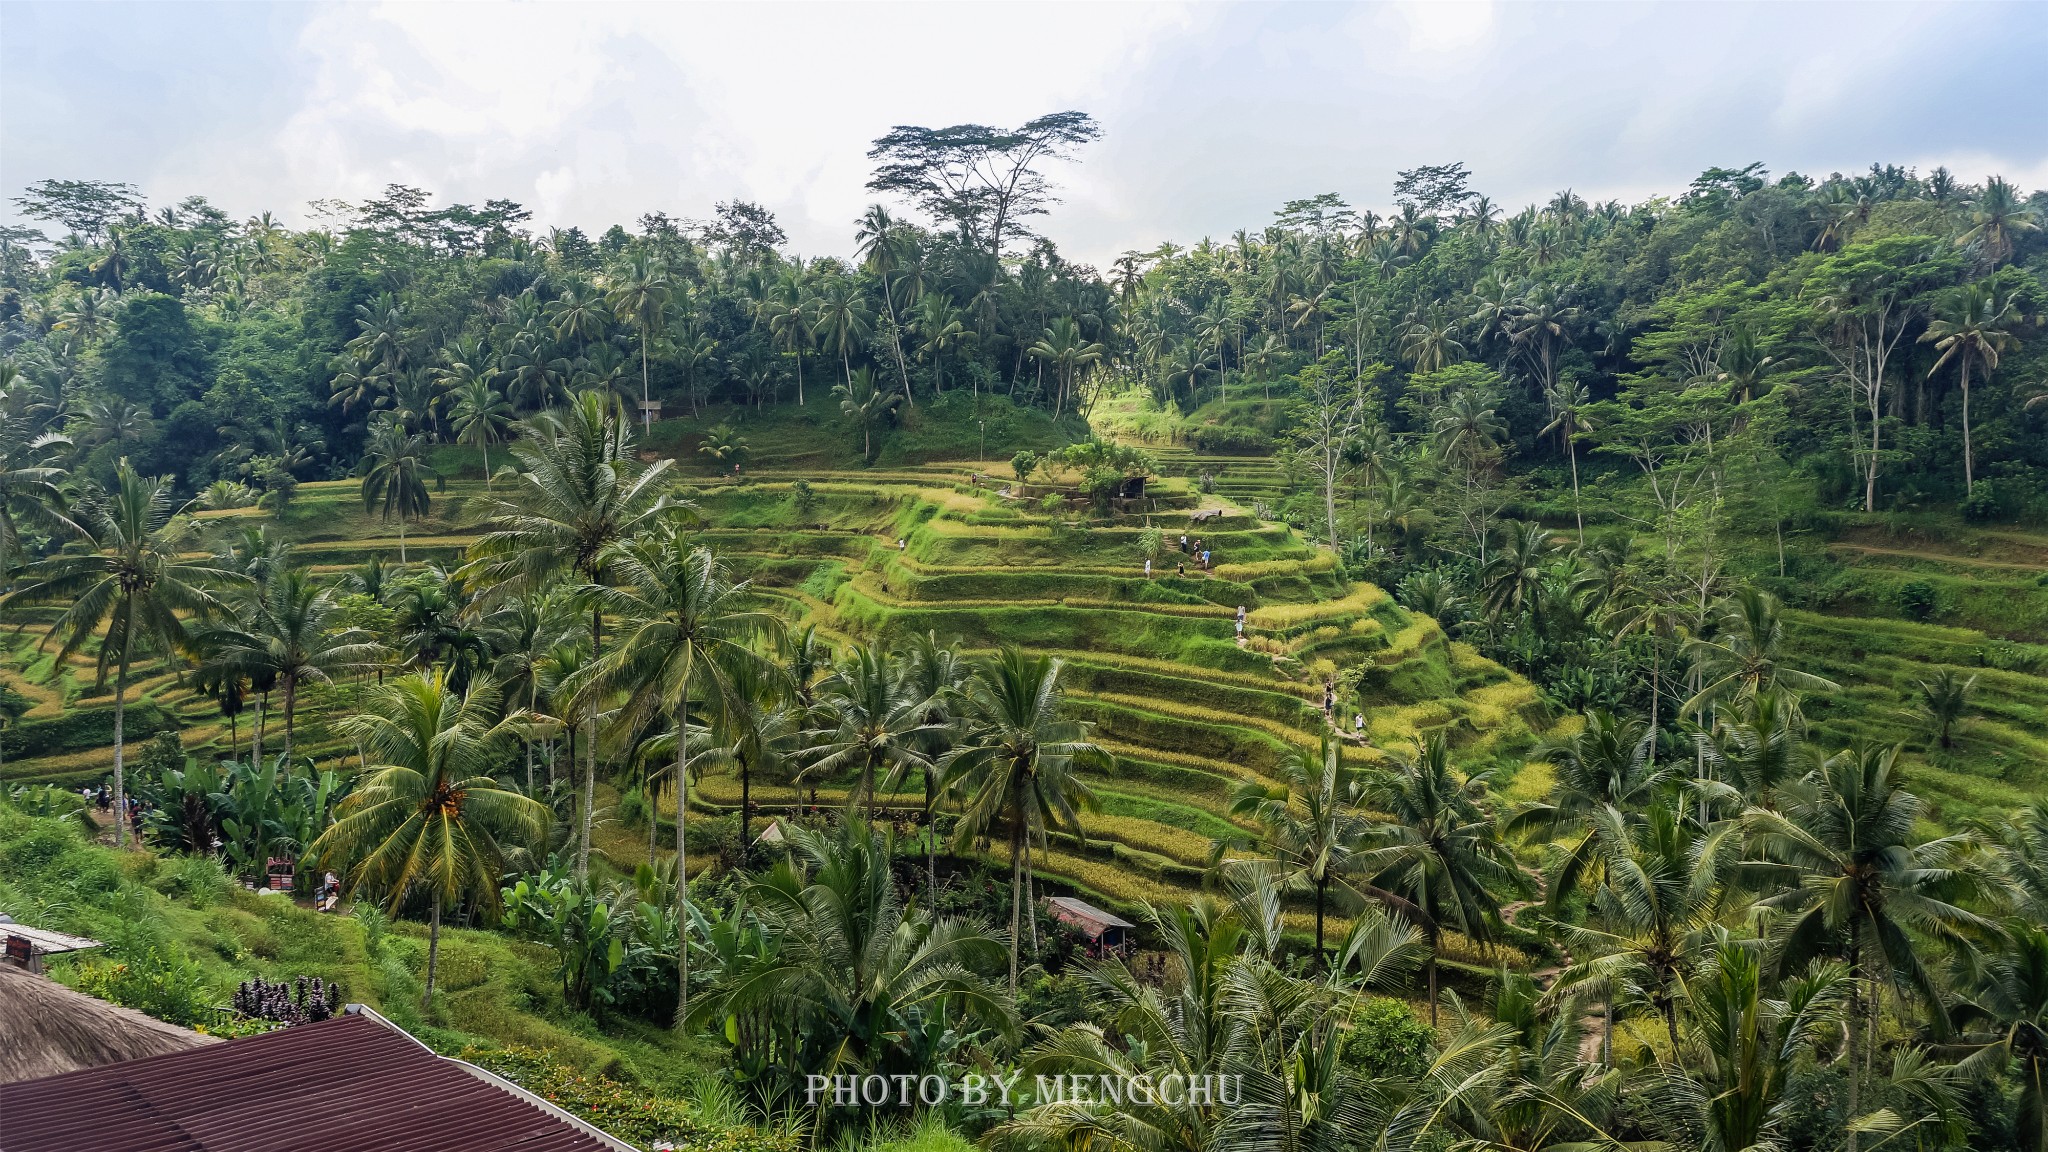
{"type": "Point", "coordinates": [631, 1114]}
{"type": "Point", "coordinates": [180, 935]}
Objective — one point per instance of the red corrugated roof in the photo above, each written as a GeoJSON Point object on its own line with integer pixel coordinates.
{"type": "Point", "coordinates": [351, 1084]}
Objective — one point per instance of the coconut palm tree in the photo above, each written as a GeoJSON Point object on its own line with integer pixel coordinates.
{"type": "Point", "coordinates": [429, 819]}
{"type": "Point", "coordinates": [132, 581]}
{"type": "Point", "coordinates": [940, 325]}
{"type": "Point", "coordinates": [581, 489]}
{"type": "Point", "coordinates": [1069, 352]}
{"type": "Point", "coordinates": [1842, 863]}
{"type": "Point", "coordinates": [1756, 749]}
{"type": "Point", "coordinates": [684, 631]}
{"type": "Point", "coordinates": [1732, 1081]}
{"type": "Point", "coordinates": [1974, 324]}
{"type": "Point", "coordinates": [788, 308]}
{"type": "Point", "coordinates": [1746, 658]}
{"type": "Point", "coordinates": [525, 633]}
{"type": "Point", "coordinates": [1664, 883]}
{"type": "Point", "coordinates": [1944, 702]}
{"type": "Point", "coordinates": [1607, 765]}
{"type": "Point", "coordinates": [291, 632]}
{"type": "Point", "coordinates": [395, 473]}
{"type": "Point", "coordinates": [1514, 575]}
{"type": "Point", "coordinates": [870, 721]}
{"type": "Point", "coordinates": [29, 492]}
{"type": "Point", "coordinates": [1568, 420]}
{"type": "Point", "coordinates": [638, 298]}
{"type": "Point", "coordinates": [1015, 763]}
{"type": "Point", "coordinates": [851, 968]}
{"type": "Point", "coordinates": [841, 320]}
{"type": "Point", "coordinates": [935, 674]}
{"type": "Point", "coordinates": [1309, 824]}
{"type": "Point", "coordinates": [884, 247]}
{"type": "Point", "coordinates": [2002, 1019]}
{"type": "Point", "coordinates": [757, 730]}
{"type": "Point", "coordinates": [1998, 215]}
{"type": "Point", "coordinates": [1440, 855]}
{"type": "Point", "coordinates": [864, 403]}
{"type": "Point", "coordinates": [481, 418]}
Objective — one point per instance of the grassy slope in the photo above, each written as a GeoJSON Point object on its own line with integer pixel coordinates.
{"type": "Point", "coordinates": [496, 990]}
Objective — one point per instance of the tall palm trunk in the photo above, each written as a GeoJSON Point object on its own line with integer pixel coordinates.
{"type": "Point", "coordinates": [931, 855]}
{"type": "Point", "coordinates": [1856, 1039]}
{"type": "Point", "coordinates": [590, 751]}
{"type": "Point", "coordinates": [1016, 877]}
{"type": "Point", "coordinates": [896, 340]}
{"type": "Point", "coordinates": [291, 692]}
{"type": "Point", "coordinates": [256, 729]}
{"type": "Point", "coordinates": [120, 714]}
{"type": "Point", "coordinates": [1969, 459]}
{"type": "Point", "coordinates": [682, 859]}
{"type": "Point", "coordinates": [433, 949]}
{"type": "Point", "coordinates": [1322, 884]}
{"type": "Point", "coordinates": [1572, 451]}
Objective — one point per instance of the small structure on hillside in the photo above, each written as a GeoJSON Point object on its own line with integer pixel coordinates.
{"type": "Point", "coordinates": [25, 947]}
{"type": "Point", "coordinates": [1204, 515]}
{"type": "Point", "coordinates": [1106, 933]}
{"type": "Point", "coordinates": [351, 1083]}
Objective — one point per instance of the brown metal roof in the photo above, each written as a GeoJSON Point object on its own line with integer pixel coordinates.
{"type": "Point", "coordinates": [350, 1084]}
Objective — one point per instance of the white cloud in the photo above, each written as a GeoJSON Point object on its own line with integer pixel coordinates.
{"type": "Point", "coordinates": [593, 113]}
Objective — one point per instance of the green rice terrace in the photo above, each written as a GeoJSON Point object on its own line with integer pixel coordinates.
{"type": "Point", "coordinates": [1187, 711]}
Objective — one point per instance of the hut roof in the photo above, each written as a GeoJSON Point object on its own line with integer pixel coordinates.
{"type": "Point", "coordinates": [47, 1029]}
{"type": "Point", "coordinates": [1084, 915]}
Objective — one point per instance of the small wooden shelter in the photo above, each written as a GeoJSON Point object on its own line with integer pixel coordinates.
{"type": "Point", "coordinates": [1106, 932]}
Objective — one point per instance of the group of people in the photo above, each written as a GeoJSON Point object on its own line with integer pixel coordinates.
{"type": "Point", "coordinates": [1330, 709]}
{"type": "Point", "coordinates": [1196, 552]}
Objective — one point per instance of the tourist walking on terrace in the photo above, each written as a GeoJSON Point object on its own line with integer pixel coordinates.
{"type": "Point", "coordinates": [1148, 568]}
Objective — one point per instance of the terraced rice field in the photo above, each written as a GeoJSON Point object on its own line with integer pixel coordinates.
{"type": "Point", "coordinates": [1152, 663]}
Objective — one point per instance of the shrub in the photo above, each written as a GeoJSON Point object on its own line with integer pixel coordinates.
{"type": "Point", "coordinates": [629, 1113]}
{"type": "Point", "coordinates": [1984, 504]}
{"type": "Point", "coordinates": [157, 981]}
{"type": "Point", "coordinates": [1386, 1041]}
{"type": "Point", "coordinates": [805, 500]}
{"type": "Point", "coordinates": [1229, 440]}
{"type": "Point", "coordinates": [1023, 463]}
{"type": "Point", "coordinates": [1917, 599]}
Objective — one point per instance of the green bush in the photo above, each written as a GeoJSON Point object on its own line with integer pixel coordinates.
{"type": "Point", "coordinates": [1229, 440]}
{"type": "Point", "coordinates": [1917, 599]}
{"type": "Point", "coordinates": [629, 1113]}
{"type": "Point", "coordinates": [1386, 1041]}
{"type": "Point", "coordinates": [157, 981]}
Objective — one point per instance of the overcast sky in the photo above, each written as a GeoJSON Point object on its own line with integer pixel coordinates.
{"type": "Point", "coordinates": [1213, 114]}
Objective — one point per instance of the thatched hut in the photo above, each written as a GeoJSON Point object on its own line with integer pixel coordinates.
{"type": "Point", "coordinates": [47, 1029]}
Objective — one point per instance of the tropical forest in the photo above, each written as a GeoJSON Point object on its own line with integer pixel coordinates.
{"type": "Point", "coordinates": [1475, 676]}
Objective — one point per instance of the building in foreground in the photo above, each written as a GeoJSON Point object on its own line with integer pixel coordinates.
{"type": "Point", "coordinates": [350, 1084]}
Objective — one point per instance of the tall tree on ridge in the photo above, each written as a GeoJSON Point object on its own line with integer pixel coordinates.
{"type": "Point", "coordinates": [130, 584]}
{"type": "Point", "coordinates": [581, 489]}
